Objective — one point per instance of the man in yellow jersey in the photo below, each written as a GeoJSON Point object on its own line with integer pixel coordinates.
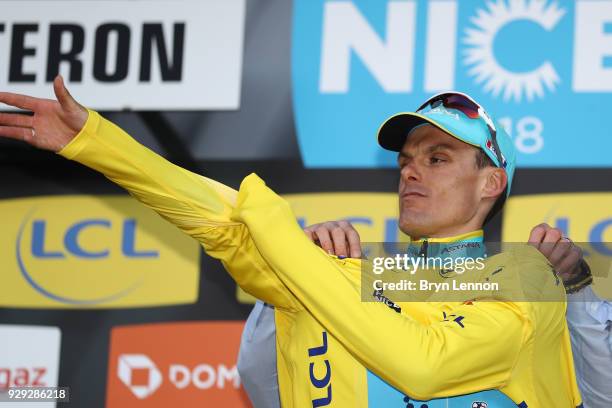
{"type": "Point", "coordinates": [334, 349]}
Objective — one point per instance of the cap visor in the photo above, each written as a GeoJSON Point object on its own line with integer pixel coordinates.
{"type": "Point", "coordinates": [392, 134]}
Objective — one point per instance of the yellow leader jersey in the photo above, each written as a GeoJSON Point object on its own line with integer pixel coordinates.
{"type": "Point", "coordinates": [326, 336]}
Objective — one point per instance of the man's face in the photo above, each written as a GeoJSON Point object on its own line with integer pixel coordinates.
{"type": "Point", "coordinates": [440, 185]}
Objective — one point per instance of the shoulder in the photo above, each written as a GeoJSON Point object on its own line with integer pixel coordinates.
{"type": "Point", "coordinates": [519, 253]}
{"type": "Point", "coordinates": [524, 275]}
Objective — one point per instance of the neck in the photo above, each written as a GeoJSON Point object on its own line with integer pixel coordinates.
{"type": "Point", "coordinates": [462, 237]}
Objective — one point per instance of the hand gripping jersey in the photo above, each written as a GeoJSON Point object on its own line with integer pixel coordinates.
{"type": "Point", "coordinates": [326, 336]}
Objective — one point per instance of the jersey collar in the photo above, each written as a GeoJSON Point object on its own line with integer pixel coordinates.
{"type": "Point", "coordinates": [466, 245]}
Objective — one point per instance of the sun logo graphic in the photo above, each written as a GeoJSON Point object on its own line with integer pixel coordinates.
{"type": "Point", "coordinates": [139, 374]}
{"type": "Point", "coordinates": [480, 55]}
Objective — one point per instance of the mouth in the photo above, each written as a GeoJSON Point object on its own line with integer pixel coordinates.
{"type": "Point", "coordinates": [412, 194]}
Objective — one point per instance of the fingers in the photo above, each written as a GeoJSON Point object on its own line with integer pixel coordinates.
{"type": "Point", "coordinates": [346, 240]}
{"type": "Point", "coordinates": [354, 244]}
{"type": "Point", "coordinates": [62, 94]}
{"type": "Point", "coordinates": [537, 234]}
{"type": "Point", "coordinates": [16, 119]}
{"type": "Point", "coordinates": [18, 101]}
{"type": "Point", "coordinates": [320, 235]}
{"type": "Point", "coordinates": [339, 241]}
{"type": "Point", "coordinates": [323, 235]}
{"type": "Point", "coordinates": [352, 238]}
{"type": "Point", "coordinates": [549, 241]}
{"type": "Point", "coordinates": [18, 133]}
{"type": "Point", "coordinates": [569, 265]}
{"type": "Point", "coordinates": [336, 238]}
{"type": "Point", "coordinates": [309, 234]}
{"type": "Point", "coordinates": [561, 252]}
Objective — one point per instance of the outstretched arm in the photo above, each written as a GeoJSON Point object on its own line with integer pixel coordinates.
{"type": "Point", "coordinates": [199, 206]}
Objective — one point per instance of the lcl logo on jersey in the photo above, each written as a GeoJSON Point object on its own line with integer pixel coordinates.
{"type": "Point", "coordinates": [189, 364]}
{"type": "Point", "coordinates": [323, 383]}
{"type": "Point", "coordinates": [80, 251]}
{"type": "Point", "coordinates": [356, 62]}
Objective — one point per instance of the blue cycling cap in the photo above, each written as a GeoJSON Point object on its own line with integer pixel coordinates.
{"type": "Point", "coordinates": [477, 131]}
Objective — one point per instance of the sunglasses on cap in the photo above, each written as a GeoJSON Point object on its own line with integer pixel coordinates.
{"type": "Point", "coordinates": [471, 109]}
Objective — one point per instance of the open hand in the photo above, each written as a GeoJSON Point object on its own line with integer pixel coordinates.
{"type": "Point", "coordinates": [54, 123]}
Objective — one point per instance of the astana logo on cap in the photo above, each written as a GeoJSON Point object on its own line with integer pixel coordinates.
{"type": "Point", "coordinates": [443, 111]}
{"type": "Point", "coordinates": [485, 68]}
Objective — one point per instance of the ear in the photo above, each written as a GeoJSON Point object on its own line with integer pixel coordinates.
{"type": "Point", "coordinates": [495, 182]}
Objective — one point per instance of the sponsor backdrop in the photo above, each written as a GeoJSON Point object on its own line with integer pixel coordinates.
{"type": "Point", "coordinates": [100, 294]}
{"type": "Point", "coordinates": [107, 251]}
{"type": "Point", "coordinates": [199, 369]}
{"type": "Point", "coordinates": [139, 50]}
{"type": "Point", "coordinates": [355, 63]}
{"type": "Point", "coordinates": [29, 357]}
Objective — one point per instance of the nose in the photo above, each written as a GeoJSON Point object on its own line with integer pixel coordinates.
{"type": "Point", "coordinates": [410, 172]}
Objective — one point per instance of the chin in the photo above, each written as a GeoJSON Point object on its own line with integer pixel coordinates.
{"type": "Point", "coordinates": [414, 225]}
